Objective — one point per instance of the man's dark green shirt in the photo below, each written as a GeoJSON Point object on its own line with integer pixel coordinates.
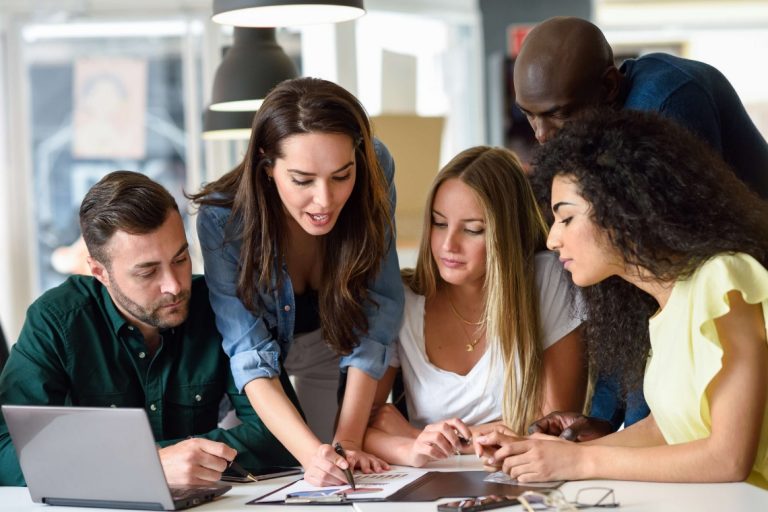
{"type": "Point", "coordinates": [76, 349]}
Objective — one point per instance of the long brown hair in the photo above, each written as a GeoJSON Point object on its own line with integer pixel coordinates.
{"type": "Point", "coordinates": [515, 231]}
{"type": "Point", "coordinates": [352, 252]}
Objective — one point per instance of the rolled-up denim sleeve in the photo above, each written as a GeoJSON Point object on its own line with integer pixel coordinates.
{"type": "Point", "coordinates": [384, 309]}
{"type": "Point", "coordinates": [246, 338]}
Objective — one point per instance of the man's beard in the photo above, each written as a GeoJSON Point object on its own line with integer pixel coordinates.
{"type": "Point", "coordinates": [152, 315]}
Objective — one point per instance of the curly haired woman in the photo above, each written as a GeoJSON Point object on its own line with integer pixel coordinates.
{"type": "Point", "coordinates": [671, 249]}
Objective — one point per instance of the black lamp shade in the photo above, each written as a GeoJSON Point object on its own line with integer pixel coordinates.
{"type": "Point", "coordinates": [227, 125]}
{"type": "Point", "coordinates": [281, 13]}
{"type": "Point", "coordinates": [250, 69]}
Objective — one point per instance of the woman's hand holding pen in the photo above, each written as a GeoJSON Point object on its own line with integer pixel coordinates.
{"type": "Point", "coordinates": [362, 460]}
{"type": "Point", "coordinates": [440, 441]}
{"type": "Point", "coordinates": [195, 461]}
{"type": "Point", "coordinates": [326, 467]}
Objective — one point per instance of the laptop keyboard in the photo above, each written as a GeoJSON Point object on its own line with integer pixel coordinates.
{"type": "Point", "coordinates": [181, 493]}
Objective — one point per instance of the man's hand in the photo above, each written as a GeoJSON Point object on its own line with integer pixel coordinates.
{"type": "Point", "coordinates": [571, 426]}
{"type": "Point", "coordinates": [195, 461]}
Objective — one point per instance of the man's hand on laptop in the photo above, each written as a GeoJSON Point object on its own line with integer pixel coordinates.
{"type": "Point", "coordinates": [195, 461]}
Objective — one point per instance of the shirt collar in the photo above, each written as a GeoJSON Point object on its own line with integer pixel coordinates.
{"type": "Point", "coordinates": [118, 321]}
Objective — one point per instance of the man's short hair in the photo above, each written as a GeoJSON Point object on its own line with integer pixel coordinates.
{"type": "Point", "coordinates": [126, 201]}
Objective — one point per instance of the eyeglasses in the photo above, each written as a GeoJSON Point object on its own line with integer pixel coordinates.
{"type": "Point", "coordinates": [588, 497]}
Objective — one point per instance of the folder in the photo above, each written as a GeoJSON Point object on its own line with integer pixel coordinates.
{"type": "Point", "coordinates": [430, 486]}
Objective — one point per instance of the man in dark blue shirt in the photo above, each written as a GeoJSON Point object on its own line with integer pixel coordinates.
{"type": "Point", "coordinates": [565, 66]}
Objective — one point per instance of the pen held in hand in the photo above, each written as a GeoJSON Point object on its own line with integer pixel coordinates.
{"type": "Point", "coordinates": [237, 468]}
{"type": "Point", "coordinates": [348, 472]}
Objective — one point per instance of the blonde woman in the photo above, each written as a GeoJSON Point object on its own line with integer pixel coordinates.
{"type": "Point", "coordinates": [489, 329]}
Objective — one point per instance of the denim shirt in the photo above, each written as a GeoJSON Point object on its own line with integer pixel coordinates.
{"type": "Point", "coordinates": [700, 98]}
{"type": "Point", "coordinates": [257, 342]}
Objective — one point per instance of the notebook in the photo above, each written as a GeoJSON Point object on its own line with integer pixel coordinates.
{"type": "Point", "coordinates": [95, 457]}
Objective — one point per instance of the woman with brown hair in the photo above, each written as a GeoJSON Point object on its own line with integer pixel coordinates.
{"type": "Point", "coordinates": [297, 239]}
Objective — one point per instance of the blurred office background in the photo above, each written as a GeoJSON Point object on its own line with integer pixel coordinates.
{"type": "Point", "coordinates": [90, 86]}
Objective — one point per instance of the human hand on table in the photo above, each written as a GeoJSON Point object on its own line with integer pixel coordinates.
{"type": "Point", "coordinates": [571, 426]}
{"type": "Point", "coordinates": [533, 459]}
{"type": "Point", "coordinates": [326, 467]}
{"type": "Point", "coordinates": [439, 441]}
{"type": "Point", "coordinates": [195, 461]}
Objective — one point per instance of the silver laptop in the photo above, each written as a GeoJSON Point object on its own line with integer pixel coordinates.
{"type": "Point", "coordinates": [95, 457]}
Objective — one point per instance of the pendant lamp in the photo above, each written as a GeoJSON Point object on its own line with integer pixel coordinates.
{"type": "Point", "coordinates": [227, 125]}
{"type": "Point", "coordinates": [249, 70]}
{"type": "Point", "coordinates": [277, 13]}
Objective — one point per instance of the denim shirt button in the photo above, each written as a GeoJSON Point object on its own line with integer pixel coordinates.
{"type": "Point", "coordinates": [286, 308]}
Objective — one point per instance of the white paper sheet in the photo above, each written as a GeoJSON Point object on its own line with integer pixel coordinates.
{"type": "Point", "coordinates": [374, 485]}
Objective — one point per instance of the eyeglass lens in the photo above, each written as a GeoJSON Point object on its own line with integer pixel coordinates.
{"type": "Point", "coordinates": [596, 497]}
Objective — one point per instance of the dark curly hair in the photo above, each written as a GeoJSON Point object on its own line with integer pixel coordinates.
{"type": "Point", "coordinates": [666, 201]}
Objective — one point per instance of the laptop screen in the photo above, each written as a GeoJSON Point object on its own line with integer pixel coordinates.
{"type": "Point", "coordinates": [88, 454]}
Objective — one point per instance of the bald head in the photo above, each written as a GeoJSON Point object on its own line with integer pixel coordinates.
{"type": "Point", "coordinates": [564, 66]}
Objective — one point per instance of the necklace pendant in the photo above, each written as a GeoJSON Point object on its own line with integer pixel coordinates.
{"type": "Point", "coordinates": [470, 347]}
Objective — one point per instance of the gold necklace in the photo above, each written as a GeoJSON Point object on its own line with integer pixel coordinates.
{"type": "Point", "coordinates": [456, 312]}
{"type": "Point", "coordinates": [472, 342]}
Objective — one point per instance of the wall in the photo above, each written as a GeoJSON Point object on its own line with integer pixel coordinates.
{"type": "Point", "coordinates": [497, 15]}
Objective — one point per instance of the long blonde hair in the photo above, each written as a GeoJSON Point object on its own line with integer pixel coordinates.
{"type": "Point", "coordinates": [515, 230]}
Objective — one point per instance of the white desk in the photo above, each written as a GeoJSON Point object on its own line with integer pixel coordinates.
{"type": "Point", "coordinates": [633, 496]}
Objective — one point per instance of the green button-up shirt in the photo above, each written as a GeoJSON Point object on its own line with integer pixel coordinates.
{"type": "Point", "coordinates": [76, 349]}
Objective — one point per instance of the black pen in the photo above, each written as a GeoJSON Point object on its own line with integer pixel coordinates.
{"type": "Point", "coordinates": [340, 450]}
{"type": "Point", "coordinates": [237, 468]}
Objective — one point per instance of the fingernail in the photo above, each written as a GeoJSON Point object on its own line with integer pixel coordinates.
{"type": "Point", "coordinates": [480, 439]}
{"type": "Point", "coordinates": [490, 460]}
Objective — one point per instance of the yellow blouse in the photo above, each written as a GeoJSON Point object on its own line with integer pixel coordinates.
{"type": "Point", "coordinates": [687, 354]}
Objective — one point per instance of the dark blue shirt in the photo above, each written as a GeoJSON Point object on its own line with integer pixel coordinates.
{"type": "Point", "coordinates": [699, 97]}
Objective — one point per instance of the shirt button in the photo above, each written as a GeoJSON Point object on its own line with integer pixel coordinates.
{"type": "Point", "coordinates": [198, 398]}
{"type": "Point", "coordinates": [142, 355]}
{"type": "Point", "coordinates": [286, 308]}
{"type": "Point", "coordinates": [152, 407]}
{"type": "Point", "coordinates": [130, 328]}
